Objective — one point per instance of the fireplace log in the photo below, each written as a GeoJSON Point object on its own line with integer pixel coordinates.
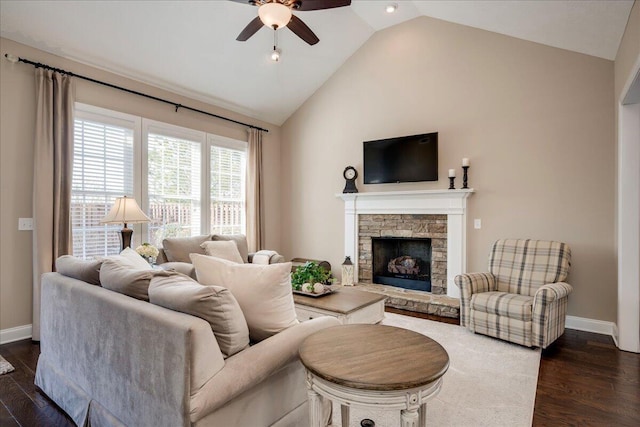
{"type": "Point", "coordinates": [403, 265]}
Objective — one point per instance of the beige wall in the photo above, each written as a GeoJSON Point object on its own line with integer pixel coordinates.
{"type": "Point", "coordinates": [628, 52]}
{"type": "Point", "coordinates": [536, 122]}
{"type": "Point", "coordinates": [17, 116]}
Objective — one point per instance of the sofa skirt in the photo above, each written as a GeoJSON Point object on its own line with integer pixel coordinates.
{"type": "Point", "coordinates": [71, 398]}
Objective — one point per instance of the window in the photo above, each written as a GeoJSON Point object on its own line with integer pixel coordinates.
{"type": "Point", "coordinates": [228, 178]}
{"type": "Point", "coordinates": [103, 169]}
{"type": "Point", "coordinates": [187, 181]}
{"type": "Point", "coordinates": [174, 176]}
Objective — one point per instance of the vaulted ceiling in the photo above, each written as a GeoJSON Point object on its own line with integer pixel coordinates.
{"type": "Point", "coordinates": [189, 47]}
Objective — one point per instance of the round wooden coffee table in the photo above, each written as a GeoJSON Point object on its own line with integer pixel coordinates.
{"type": "Point", "coordinates": [373, 366]}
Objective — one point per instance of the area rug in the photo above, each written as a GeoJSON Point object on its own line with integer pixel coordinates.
{"type": "Point", "coordinates": [489, 382]}
{"type": "Point", "coordinates": [5, 367]}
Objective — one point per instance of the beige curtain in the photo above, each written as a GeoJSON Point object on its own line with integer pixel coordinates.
{"type": "Point", "coordinates": [52, 171]}
{"type": "Point", "coordinates": [255, 204]}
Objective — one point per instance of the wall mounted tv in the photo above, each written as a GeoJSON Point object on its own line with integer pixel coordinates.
{"type": "Point", "coordinates": [402, 159]}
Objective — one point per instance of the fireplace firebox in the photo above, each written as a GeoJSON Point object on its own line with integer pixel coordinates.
{"type": "Point", "coordinates": [402, 262]}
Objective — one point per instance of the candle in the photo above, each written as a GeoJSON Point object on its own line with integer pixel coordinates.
{"type": "Point", "coordinates": [465, 162]}
{"type": "Point", "coordinates": [452, 173]}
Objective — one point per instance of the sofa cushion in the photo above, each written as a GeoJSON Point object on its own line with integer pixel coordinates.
{"type": "Point", "coordinates": [241, 241]}
{"type": "Point", "coordinates": [214, 304]}
{"type": "Point", "coordinates": [77, 268]}
{"type": "Point", "coordinates": [514, 306]}
{"type": "Point", "coordinates": [263, 292]}
{"type": "Point", "coordinates": [224, 249]}
{"type": "Point", "coordinates": [120, 275]}
{"type": "Point", "coordinates": [177, 249]}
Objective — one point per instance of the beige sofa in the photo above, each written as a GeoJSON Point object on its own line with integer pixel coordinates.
{"type": "Point", "coordinates": [174, 253]}
{"type": "Point", "coordinates": [111, 360]}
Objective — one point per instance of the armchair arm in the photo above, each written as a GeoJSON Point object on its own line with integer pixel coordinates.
{"type": "Point", "coordinates": [162, 256]}
{"type": "Point", "coordinates": [549, 312]}
{"type": "Point", "coordinates": [473, 283]}
{"type": "Point", "coordinates": [185, 268]}
{"type": "Point", "coordinates": [551, 292]}
{"type": "Point", "coordinates": [469, 284]}
{"type": "Point", "coordinates": [273, 256]}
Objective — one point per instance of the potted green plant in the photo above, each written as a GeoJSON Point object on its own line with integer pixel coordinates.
{"type": "Point", "coordinates": [312, 273]}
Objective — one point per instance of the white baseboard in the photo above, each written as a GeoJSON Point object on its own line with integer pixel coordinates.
{"type": "Point", "coordinates": [572, 322]}
{"type": "Point", "coordinates": [592, 325]}
{"type": "Point", "coordinates": [15, 334]}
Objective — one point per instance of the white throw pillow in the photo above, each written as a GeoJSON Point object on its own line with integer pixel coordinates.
{"type": "Point", "coordinates": [225, 249]}
{"type": "Point", "coordinates": [263, 292]}
{"type": "Point", "coordinates": [136, 259]}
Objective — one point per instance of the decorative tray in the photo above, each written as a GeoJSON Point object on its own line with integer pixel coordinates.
{"type": "Point", "coordinates": [327, 291]}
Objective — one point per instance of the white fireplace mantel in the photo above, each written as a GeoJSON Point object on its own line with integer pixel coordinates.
{"type": "Point", "coordinates": [452, 203]}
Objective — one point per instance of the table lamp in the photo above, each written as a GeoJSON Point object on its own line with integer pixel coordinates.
{"type": "Point", "coordinates": [126, 211]}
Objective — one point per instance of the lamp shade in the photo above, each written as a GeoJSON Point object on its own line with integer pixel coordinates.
{"type": "Point", "coordinates": [274, 15]}
{"type": "Point", "coordinates": [125, 210]}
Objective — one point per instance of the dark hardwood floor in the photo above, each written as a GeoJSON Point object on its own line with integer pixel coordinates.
{"type": "Point", "coordinates": [21, 403]}
{"type": "Point", "coordinates": [584, 380]}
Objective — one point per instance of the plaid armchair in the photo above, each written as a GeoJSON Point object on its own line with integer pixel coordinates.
{"type": "Point", "coordinates": [523, 298]}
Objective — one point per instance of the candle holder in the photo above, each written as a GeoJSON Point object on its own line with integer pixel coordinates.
{"type": "Point", "coordinates": [451, 180]}
{"type": "Point", "coordinates": [464, 177]}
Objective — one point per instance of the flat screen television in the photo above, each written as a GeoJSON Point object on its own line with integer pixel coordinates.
{"type": "Point", "coordinates": [403, 159]}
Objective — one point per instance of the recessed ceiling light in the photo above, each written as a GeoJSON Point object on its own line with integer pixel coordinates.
{"type": "Point", "coordinates": [392, 7]}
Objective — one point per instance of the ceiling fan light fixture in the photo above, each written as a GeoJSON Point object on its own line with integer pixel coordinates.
{"type": "Point", "coordinates": [275, 54]}
{"type": "Point", "coordinates": [392, 7]}
{"type": "Point", "coordinates": [274, 15]}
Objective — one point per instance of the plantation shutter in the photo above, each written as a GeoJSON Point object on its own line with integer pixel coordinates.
{"type": "Point", "coordinates": [228, 177]}
{"type": "Point", "coordinates": [174, 186]}
{"type": "Point", "coordinates": [102, 170]}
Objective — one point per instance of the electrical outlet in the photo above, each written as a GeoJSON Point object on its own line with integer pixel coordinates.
{"type": "Point", "coordinates": [477, 224]}
{"type": "Point", "coordinates": [25, 224]}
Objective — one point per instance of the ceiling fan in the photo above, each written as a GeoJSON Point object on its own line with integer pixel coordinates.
{"type": "Point", "coordinates": [277, 14]}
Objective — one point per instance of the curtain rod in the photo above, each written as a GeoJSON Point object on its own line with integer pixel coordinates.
{"type": "Point", "coordinates": [14, 59]}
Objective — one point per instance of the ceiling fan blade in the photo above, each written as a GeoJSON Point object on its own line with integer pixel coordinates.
{"type": "Point", "coordinates": [301, 30]}
{"type": "Point", "coordinates": [249, 2]}
{"type": "Point", "coordinates": [321, 4]}
{"type": "Point", "coordinates": [250, 29]}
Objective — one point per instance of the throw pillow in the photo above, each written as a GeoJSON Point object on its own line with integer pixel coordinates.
{"type": "Point", "coordinates": [263, 292]}
{"type": "Point", "coordinates": [223, 249]}
{"type": "Point", "coordinates": [177, 249]}
{"type": "Point", "coordinates": [85, 270]}
{"type": "Point", "coordinates": [136, 259]}
{"type": "Point", "coordinates": [120, 275]}
{"type": "Point", "coordinates": [239, 239]}
{"type": "Point", "coordinates": [185, 268]}
{"type": "Point", "coordinates": [214, 304]}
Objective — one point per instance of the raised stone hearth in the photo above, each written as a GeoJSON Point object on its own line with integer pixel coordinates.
{"type": "Point", "coordinates": [420, 302]}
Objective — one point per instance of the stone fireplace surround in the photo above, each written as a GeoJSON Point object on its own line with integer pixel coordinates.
{"type": "Point", "coordinates": [410, 205]}
{"type": "Point", "coordinates": [404, 226]}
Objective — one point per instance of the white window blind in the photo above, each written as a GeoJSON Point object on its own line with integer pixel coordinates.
{"type": "Point", "coordinates": [102, 170]}
{"type": "Point", "coordinates": [189, 182]}
{"type": "Point", "coordinates": [174, 187]}
{"type": "Point", "coordinates": [227, 175]}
